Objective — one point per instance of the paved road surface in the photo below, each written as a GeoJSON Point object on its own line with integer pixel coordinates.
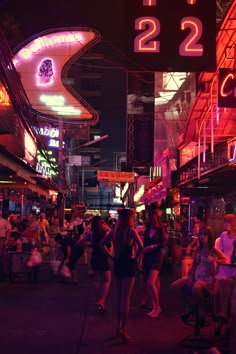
{"type": "Point", "coordinates": [56, 318]}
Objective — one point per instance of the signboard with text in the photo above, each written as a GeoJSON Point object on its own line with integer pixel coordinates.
{"type": "Point", "coordinates": [110, 176]}
{"type": "Point", "coordinates": [227, 88]}
{"type": "Point", "coordinates": [43, 62]}
{"type": "Point", "coordinates": [170, 35]}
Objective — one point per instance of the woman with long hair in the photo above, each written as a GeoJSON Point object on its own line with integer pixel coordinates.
{"type": "Point", "coordinates": [155, 240]}
{"type": "Point", "coordinates": [99, 260]}
{"type": "Point", "coordinates": [127, 247]}
{"type": "Point", "coordinates": [200, 282]}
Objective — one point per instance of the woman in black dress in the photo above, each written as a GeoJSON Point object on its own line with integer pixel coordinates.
{"type": "Point", "coordinates": [99, 259]}
{"type": "Point", "coordinates": [155, 240]}
{"type": "Point", "coordinates": [127, 248]}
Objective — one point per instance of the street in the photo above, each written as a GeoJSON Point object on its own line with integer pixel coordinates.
{"type": "Point", "coordinates": [56, 318]}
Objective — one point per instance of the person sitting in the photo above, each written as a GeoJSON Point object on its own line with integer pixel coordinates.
{"type": "Point", "coordinates": [31, 235]}
{"type": "Point", "coordinates": [200, 282]}
{"type": "Point", "coordinates": [187, 260]}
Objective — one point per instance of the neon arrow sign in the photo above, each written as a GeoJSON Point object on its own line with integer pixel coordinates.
{"type": "Point", "coordinates": [43, 64]}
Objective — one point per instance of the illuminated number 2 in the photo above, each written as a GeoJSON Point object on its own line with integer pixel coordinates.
{"type": "Point", "coordinates": [144, 42]}
{"type": "Point", "coordinates": [190, 46]}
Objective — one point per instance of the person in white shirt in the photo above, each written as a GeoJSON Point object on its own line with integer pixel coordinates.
{"type": "Point", "coordinates": [225, 275]}
{"type": "Point", "coordinates": [5, 227]}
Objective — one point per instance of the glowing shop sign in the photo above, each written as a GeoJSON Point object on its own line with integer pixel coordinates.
{"type": "Point", "coordinates": [4, 98]}
{"type": "Point", "coordinates": [227, 88]}
{"type": "Point", "coordinates": [232, 150]}
{"type": "Point", "coordinates": [43, 64]}
{"type": "Point", "coordinates": [111, 176]}
{"type": "Point", "coordinates": [53, 143]}
{"type": "Point", "coordinates": [47, 131]}
{"type": "Point", "coordinates": [170, 35]}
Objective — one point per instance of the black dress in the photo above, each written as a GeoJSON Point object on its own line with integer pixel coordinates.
{"type": "Point", "coordinates": [153, 258]}
{"type": "Point", "coordinates": [124, 264]}
{"type": "Point", "coordinates": [99, 260]}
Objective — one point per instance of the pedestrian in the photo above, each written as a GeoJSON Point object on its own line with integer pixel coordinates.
{"type": "Point", "coordinates": [127, 246]}
{"type": "Point", "coordinates": [155, 241]}
{"type": "Point", "coordinates": [225, 275]}
{"type": "Point", "coordinates": [71, 254]}
{"type": "Point", "coordinates": [5, 228]}
{"type": "Point", "coordinates": [99, 260]}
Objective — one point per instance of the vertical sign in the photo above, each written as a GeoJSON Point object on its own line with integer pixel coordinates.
{"type": "Point", "coordinates": [171, 35]}
{"type": "Point", "coordinates": [227, 88]}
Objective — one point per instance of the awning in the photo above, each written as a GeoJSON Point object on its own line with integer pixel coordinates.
{"type": "Point", "coordinates": [27, 186]}
{"type": "Point", "coordinates": [154, 192]}
{"type": "Point", "coordinates": [16, 174]}
{"type": "Point", "coordinates": [206, 120]}
{"type": "Point", "coordinates": [10, 166]}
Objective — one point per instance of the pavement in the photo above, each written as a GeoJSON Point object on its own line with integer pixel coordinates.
{"type": "Point", "coordinates": [51, 317]}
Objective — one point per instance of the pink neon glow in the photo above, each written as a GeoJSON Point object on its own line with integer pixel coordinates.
{"type": "Point", "coordinates": [144, 42]}
{"type": "Point", "coordinates": [224, 93]}
{"type": "Point", "coordinates": [217, 115]}
{"type": "Point", "coordinates": [191, 2]}
{"type": "Point", "coordinates": [49, 41]}
{"type": "Point", "coordinates": [41, 64]}
{"type": "Point", "coordinates": [45, 72]}
{"type": "Point", "coordinates": [190, 45]}
{"type": "Point", "coordinates": [149, 2]}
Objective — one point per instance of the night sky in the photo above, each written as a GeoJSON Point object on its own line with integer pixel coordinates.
{"type": "Point", "coordinates": [105, 16]}
{"type": "Point", "coordinates": [34, 16]}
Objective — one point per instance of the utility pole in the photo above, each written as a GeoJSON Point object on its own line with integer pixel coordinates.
{"type": "Point", "coordinates": [61, 180]}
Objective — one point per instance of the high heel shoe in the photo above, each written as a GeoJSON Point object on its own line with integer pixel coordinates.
{"type": "Point", "coordinates": [100, 308]}
{"type": "Point", "coordinates": [155, 313]}
{"type": "Point", "coordinates": [185, 316]}
{"type": "Point", "coordinates": [125, 339]}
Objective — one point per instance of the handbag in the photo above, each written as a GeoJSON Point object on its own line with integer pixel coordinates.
{"type": "Point", "coordinates": [35, 259]}
{"type": "Point", "coordinates": [55, 265]}
{"type": "Point", "coordinates": [65, 272]}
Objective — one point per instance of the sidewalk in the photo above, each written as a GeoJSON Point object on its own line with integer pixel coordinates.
{"type": "Point", "coordinates": [56, 318]}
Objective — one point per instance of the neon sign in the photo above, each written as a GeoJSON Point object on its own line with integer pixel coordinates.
{"type": "Point", "coordinates": [227, 88]}
{"type": "Point", "coordinates": [232, 150]}
{"type": "Point", "coordinates": [43, 63]}
{"type": "Point", "coordinates": [47, 131]}
{"type": "Point", "coordinates": [4, 98]}
{"type": "Point", "coordinates": [45, 72]}
{"type": "Point", "coordinates": [170, 35]}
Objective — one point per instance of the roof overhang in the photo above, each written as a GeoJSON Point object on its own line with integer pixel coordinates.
{"type": "Point", "coordinates": [16, 174]}
{"type": "Point", "coordinates": [206, 119]}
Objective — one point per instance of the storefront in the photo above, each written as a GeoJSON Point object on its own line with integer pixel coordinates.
{"type": "Point", "coordinates": [206, 171]}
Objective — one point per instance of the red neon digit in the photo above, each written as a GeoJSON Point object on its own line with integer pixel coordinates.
{"type": "Point", "coordinates": [190, 46]}
{"type": "Point", "coordinates": [143, 42]}
{"type": "Point", "coordinates": [149, 2]}
{"type": "Point", "coordinates": [223, 93]}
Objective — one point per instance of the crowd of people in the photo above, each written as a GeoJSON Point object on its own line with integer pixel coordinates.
{"type": "Point", "coordinates": [123, 248]}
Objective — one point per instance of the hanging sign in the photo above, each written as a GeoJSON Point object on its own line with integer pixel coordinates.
{"type": "Point", "coordinates": [170, 35]}
{"type": "Point", "coordinates": [227, 88]}
{"type": "Point", "coordinates": [111, 176]}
